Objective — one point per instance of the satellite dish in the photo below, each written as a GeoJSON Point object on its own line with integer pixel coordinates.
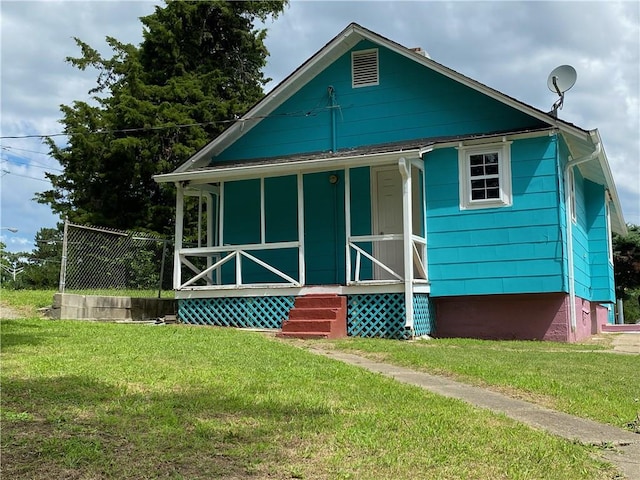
{"type": "Point", "coordinates": [560, 80]}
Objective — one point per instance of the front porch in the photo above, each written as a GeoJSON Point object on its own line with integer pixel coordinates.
{"type": "Point", "coordinates": [353, 226]}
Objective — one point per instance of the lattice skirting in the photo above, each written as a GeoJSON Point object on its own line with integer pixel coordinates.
{"type": "Point", "coordinates": [424, 318]}
{"type": "Point", "coordinates": [383, 315]}
{"type": "Point", "coordinates": [243, 312]}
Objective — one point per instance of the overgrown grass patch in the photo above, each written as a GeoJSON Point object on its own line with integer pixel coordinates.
{"type": "Point", "coordinates": [109, 401]}
{"type": "Point", "coordinates": [574, 378]}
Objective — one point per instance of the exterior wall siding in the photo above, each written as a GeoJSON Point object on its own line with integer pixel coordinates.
{"type": "Point", "coordinates": [410, 102]}
{"type": "Point", "coordinates": [514, 249]}
{"type": "Point", "coordinates": [600, 266]}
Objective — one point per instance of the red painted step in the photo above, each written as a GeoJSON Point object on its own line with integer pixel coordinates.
{"type": "Point", "coordinates": [316, 316]}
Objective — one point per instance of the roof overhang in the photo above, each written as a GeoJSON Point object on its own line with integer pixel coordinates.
{"type": "Point", "coordinates": [286, 167]}
{"type": "Point", "coordinates": [598, 171]}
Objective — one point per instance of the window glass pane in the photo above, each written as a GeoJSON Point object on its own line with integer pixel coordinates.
{"type": "Point", "coordinates": [477, 195]}
{"type": "Point", "coordinates": [493, 193]}
{"type": "Point", "coordinates": [477, 171]}
{"type": "Point", "coordinates": [491, 169]}
{"type": "Point", "coordinates": [476, 159]}
{"type": "Point", "coordinates": [476, 184]}
{"type": "Point", "coordinates": [491, 157]}
{"type": "Point", "coordinates": [493, 182]}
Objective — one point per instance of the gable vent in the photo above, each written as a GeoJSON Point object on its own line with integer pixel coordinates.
{"type": "Point", "coordinates": [364, 68]}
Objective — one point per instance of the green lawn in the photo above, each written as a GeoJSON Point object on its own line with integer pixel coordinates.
{"type": "Point", "coordinates": [110, 401]}
{"type": "Point", "coordinates": [579, 379]}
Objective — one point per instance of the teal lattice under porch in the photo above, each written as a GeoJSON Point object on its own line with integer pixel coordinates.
{"type": "Point", "coordinates": [383, 315]}
{"type": "Point", "coordinates": [424, 317]}
{"type": "Point", "coordinates": [242, 312]}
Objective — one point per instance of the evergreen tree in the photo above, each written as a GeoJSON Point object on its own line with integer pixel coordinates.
{"type": "Point", "coordinates": [199, 64]}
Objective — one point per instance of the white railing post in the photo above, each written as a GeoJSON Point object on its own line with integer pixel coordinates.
{"type": "Point", "coordinates": [347, 222]}
{"type": "Point", "coordinates": [407, 240]}
{"type": "Point", "coordinates": [301, 263]}
{"type": "Point", "coordinates": [177, 264]}
{"type": "Point", "coordinates": [238, 269]}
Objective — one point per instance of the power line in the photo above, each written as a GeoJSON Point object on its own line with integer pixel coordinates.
{"type": "Point", "coordinates": [11, 147]}
{"type": "Point", "coordinates": [29, 163]}
{"type": "Point", "coordinates": [7, 172]}
{"type": "Point", "coordinates": [310, 113]}
{"type": "Point", "coordinates": [123, 130]}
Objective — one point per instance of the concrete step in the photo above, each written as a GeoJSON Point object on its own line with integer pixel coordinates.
{"type": "Point", "coordinates": [308, 313]}
{"type": "Point", "coordinates": [318, 301]}
{"type": "Point", "coordinates": [316, 316]}
{"type": "Point", "coordinates": [307, 325]}
{"type": "Point", "coordinates": [304, 335]}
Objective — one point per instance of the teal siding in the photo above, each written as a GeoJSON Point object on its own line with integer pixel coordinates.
{"type": "Point", "coordinates": [581, 242]}
{"type": "Point", "coordinates": [593, 271]}
{"type": "Point", "coordinates": [601, 269]}
{"type": "Point", "coordinates": [242, 226]}
{"type": "Point", "coordinates": [410, 102]}
{"type": "Point", "coordinates": [242, 212]}
{"type": "Point", "coordinates": [360, 179]}
{"type": "Point", "coordinates": [324, 229]}
{"type": "Point", "coordinates": [516, 249]}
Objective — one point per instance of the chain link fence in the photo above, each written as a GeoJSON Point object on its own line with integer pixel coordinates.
{"type": "Point", "coordinates": [102, 260]}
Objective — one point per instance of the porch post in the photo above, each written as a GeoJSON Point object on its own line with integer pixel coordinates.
{"type": "Point", "coordinates": [347, 221]}
{"type": "Point", "coordinates": [407, 241]}
{"type": "Point", "coordinates": [177, 277]}
{"type": "Point", "coordinates": [301, 264]}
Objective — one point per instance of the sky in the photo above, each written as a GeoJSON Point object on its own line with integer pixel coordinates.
{"type": "Point", "coordinates": [509, 46]}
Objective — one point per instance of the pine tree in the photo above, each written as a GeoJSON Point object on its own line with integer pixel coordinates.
{"type": "Point", "coordinates": [199, 64]}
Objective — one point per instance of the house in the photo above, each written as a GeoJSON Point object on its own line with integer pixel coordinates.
{"type": "Point", "coordinates": [378, 185]}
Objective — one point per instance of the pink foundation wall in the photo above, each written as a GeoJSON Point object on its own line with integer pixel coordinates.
{"type": "Point", "coordinates": [543, 316]}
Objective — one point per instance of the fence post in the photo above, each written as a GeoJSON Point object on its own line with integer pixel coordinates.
{"type": "Point", "coordinates": [63, 260]}
{"type": "Point", "coordinates": [164, 256]}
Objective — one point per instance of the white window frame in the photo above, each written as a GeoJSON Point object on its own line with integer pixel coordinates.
{"type": "Point", "coordinates": [503, 149]}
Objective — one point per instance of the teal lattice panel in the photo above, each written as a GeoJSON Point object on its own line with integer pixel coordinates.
{"type": "Point", "coordinates": [424, 319]}
{"type": "Point", "coordinates": [377, 315]}
{"type": "Point", "coordinates": [242, 312]}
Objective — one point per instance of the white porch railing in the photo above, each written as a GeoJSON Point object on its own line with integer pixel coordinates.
{"type": "Point", "coordinates": [233, 253]}
{"type": "Point", "coordinates": [418, 251]}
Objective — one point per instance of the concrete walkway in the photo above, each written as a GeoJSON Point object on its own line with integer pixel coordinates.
{"type": "Point", "coordinates": [621, 447]}
{"type": "Point", "coordinates": [625, 342]}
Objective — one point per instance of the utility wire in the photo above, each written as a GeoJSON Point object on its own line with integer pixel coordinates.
{"type": "Point", "coordinates": [310, 113]}
{"type": "Point", "coordinates": [7, 172]}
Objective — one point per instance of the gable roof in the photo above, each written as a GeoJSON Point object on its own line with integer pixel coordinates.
{"type": "Point", "coordinates": [579, 141]}
{"type": "Point", "coordinates": [339, 45]}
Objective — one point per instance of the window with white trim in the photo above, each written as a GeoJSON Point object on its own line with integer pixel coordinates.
{"type": "Point", "coordinates": [485, 175]}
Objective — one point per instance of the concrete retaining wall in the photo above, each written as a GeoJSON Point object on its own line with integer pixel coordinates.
{"type": "Point", "coordinates": [91, 307]}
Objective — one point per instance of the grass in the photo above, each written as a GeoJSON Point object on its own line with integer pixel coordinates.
{"type": "Point", "coordinates": [109, 401]}
{"type": "Point", "coordinates": [574, 378]}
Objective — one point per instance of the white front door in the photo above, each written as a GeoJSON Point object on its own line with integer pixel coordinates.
{"type": "Point", "coordinates": [387, 219]}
